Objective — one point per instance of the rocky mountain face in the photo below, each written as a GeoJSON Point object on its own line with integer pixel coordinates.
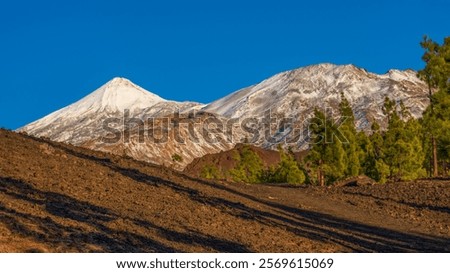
{"type": "Point", "coordinates": [172, 140]}
{"type": "Point", "coordinates": [123, 118]}
{"type": "Point", "coordinates": [288, 100]}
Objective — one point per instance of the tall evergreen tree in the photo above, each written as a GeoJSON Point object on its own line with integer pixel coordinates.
{"type": "Point", "coordinates": [317, 145]}
{"type": "Point", "coordinates": [327, 155]}
{"type": "Point", "coordinates": [351, 145]}
{"type": "Point", "coordinates": [373, 150]}
{"type": "Point", "coordinates": [436, 74]}
{"type": "Point", "coordinates": [402, 146]}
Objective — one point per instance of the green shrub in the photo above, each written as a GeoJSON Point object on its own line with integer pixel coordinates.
{"type": "Point", "coordinates": [287, 171]}
{"type": "Point", "coordinates": [210, 172]}
{"type": "Point", "coordinates": [248, 168]}
{"type": "Point", "coordinates": [177, 158]}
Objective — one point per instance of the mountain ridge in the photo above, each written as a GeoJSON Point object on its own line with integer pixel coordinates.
{"type": "Point", "coordinates": [291, 94]}
{"type": "Point", "coordinates": [324, 73]}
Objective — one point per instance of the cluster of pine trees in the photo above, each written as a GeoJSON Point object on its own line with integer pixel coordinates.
{"type": "Point", "coordinates": [406, 150]}
{"type": "Point", "coordinates": [249, 168]}
{"type": "Point", "coordinates": [338, 151]}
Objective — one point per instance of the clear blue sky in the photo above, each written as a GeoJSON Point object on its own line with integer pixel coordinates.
{"type": "Point", "coordinates": [52, 53]}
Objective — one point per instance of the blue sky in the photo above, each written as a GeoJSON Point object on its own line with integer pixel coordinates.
{"type": "Point", "coordinates": [53, 53]}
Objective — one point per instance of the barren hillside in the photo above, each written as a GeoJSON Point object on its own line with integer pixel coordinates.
{"type": "Point", "coordinates": [58, 198]}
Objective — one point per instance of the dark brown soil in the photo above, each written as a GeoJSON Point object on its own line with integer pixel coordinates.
{"type": "Point", "coordinates": [59, 198]}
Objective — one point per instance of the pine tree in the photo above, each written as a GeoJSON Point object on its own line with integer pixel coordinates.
{"type": "Point", "coordinates": [287, 171]}
{"type": "Point", "coordinates": [402, 145]}
{"type": "Point", "coordinates": [412, 167]}
{"type": "Point", "coordinates": [392, 145]}
{"type": "Point", "coordinates": [336, 161]}
{"type": "Point", "coordinates": [373, 147]}
{"type": "Point", "coordinates": [327, 155]}
{"type": "Point", "coordinates": [436, 74]}
{"type": "Point", "coordinates": [249, 166]}
{"type": "Point", "coordinates": [317, 145]}
{"type": "Point", "coordinates": [438, 122]}
{"type": "Point", "coordinates": [351, 145]}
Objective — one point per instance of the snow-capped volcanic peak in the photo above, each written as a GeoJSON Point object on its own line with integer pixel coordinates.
{"type": "Point", "coordinates": [110, 100]}
{"type": "Point", "coordinates": [118, 94]}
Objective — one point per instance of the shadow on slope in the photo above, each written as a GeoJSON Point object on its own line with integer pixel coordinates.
{"type": "Point", "coordinates": [70, 224]}
{"type": "Point", "coordinates": [352, 235]}
{"type": "Point", "coordinates": [317, 226]}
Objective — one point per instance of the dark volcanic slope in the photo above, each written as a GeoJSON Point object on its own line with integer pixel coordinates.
{"type": "Point", "coordinates": [58, 198]}
{"type": "Point", "coordinates": [224, 161]}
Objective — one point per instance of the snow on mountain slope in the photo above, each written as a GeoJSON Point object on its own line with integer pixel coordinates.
{"type": "Point", "coordinates": [84, 119]}
{"type": "Point", "coordinates": [295, 94]}
{"type": "Point", "coordinates": [116, 95]}
{"type": "Point", "coordinates": [300, 90]}
{"type": "Point", "coordinates": [138, 114]}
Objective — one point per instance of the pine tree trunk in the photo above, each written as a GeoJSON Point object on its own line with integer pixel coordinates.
{"type": "Point", "coordinates": [435, 158]}
{"type": "Point", "coordinates": [429, 166]}
{"type": "Point", "coordinates": [320, 174]}
{"type": "Point", "coordinates": [443, 169]}
{"type": "Point", "coordinates": [319, 177]}
{"type": "Point", "coordinates": [433, 139]}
